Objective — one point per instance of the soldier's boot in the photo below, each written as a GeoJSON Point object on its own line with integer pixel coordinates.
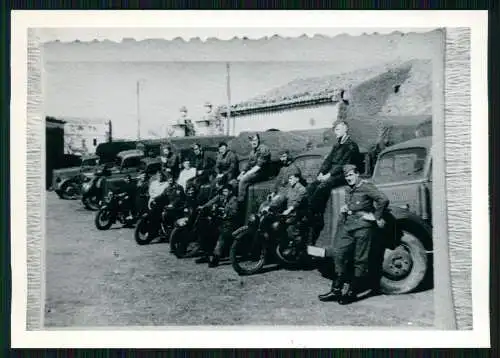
{"type": "Point", "coordinates": [334, 293]}
{"type": "Point", "coordinates": [214, 261]}
{"type": "Point", "coordinates": [349, 292]}
{"type": "Point", "coordinates": [202, 260]}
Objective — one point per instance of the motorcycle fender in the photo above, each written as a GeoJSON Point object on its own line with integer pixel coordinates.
{"type": "Point", "coordinates": [237, 232]}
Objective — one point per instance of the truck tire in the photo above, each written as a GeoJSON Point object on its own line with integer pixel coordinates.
{"type": "Point", "coordinates": [405, 268]}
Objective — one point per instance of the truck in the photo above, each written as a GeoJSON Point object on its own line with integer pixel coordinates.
{"type": "Point", "coordinates": [404, 173]}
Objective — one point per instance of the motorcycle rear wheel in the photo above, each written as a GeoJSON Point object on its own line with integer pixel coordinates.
{"type": "Point", "coordinates": [248, 253]}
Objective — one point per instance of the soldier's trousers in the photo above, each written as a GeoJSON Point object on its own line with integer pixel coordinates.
{"type": "Point", "coordinates": [245, 183]}
{"type": "Point", "coordinates": [224, 239]}
{"type": "Point", "coordinates": [351, 252]}
{"type": "Point", "coordinates": [318, 193]}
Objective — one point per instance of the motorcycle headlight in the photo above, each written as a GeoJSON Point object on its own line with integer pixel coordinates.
{"type": "Point", "coordinates": [276, 225]}
{"type": "Point", "coordinates": [186, 211]}
{"type": "Point", "coordinates": [252, 219]}
{"type": "Point", "coordinates": [182, 222]}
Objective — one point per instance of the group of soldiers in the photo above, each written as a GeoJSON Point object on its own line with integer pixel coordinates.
{"type": "Point", "coordinates": [177, 185]}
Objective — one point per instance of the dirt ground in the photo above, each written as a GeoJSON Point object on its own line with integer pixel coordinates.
{"type": "Point", "coordinates": [96, 278]}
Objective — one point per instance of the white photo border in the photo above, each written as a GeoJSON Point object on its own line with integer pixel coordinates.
{"type": "Point", "coordinates": [248, 337]}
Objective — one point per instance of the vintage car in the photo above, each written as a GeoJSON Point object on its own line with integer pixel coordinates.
{"type": "Point", "coordinates": [403, 173]}
{"type": "Point", "coordinates": [66, 182]}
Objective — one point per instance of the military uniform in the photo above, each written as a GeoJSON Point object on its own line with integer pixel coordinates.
{"type": "Point", "coordinates": [260, 156]}
{"type": "Point", "coordinates": [345, 151]}
{"type": "Point", "coordinates": [204, 163]}
{"type": "Point", "coordinates": [293, 196]}
{"type": "Point", "coordinates": [227, 165]}
{"type": "Point", "coordinates": [227, 207]}
{"type": "Point", "coordinates": [354, 235]}
{"type": "Point", "coordinates": [172, 164]}
{"type": "Point", "coordinates": [281, 181]}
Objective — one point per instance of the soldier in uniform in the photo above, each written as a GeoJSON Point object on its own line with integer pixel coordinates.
{"type": "Point", "coordinates": [129, 191]}
{"type": "Point", "coordinates": [226, 205]}
{"type": "Point", "coordinates": [170, 160]}
{"type": "Point", "coordinates": [226, 165]}
{"type": "Point", "coordinates": [203, 164]}
{"type": "Point", "coordinates": [257, 166]}
{"type": "Point", "coordinates": [282, 179]}
{"type": "Point", "coordinates": [292, 197]}
{"type": "Point", "coordinates": [330, 175]}
{"type": "Point", "coordinates": [360, 217]}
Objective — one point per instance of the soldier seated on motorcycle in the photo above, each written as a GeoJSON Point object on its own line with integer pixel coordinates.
{"type": "Point", "coordinates": [291, 203]}
{"type": "Point", "coordinates": [128, 194]}
{"type": "Point", "coordinates": [225, 207]}
{"type": "Point", "coordinates": [164, 192]}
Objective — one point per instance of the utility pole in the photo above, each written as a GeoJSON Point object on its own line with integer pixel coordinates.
{"type": "Point", "coordinates": [228, 89]}
{"type": "Point", "coordinates": [138, 90]}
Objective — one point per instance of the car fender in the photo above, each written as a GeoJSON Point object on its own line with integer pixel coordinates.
{"type": "Point", "coordinates": [64, 182]}
{"type": "Point", "coordinates": [407, 218]}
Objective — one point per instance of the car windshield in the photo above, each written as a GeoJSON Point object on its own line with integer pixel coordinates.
{"type": "Point", "coordinates": [400, 165]}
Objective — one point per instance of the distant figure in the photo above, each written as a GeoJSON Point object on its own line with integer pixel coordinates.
{"type": "Point", "coordinates": [188, 123]}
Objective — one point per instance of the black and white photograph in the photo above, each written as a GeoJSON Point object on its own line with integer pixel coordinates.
{"type": "Point", "coordinates": [245, 178]}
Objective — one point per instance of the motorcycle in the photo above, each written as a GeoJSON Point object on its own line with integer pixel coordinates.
{"type": "Point", "coordinates": [185, 237]}
{"type": "Point", "coordinates": [113, 210]}
{"type": "Point", "coordinates": [144, 235]}
{"type": "Point", "coordinates": [92, 191]}
{"type": "Point", "coordinates": [265, 233]}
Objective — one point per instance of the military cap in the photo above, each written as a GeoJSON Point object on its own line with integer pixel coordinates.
{"type": "Point", "coordinates": [348, 167]}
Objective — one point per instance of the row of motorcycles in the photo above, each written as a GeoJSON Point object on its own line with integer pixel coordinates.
{"type": "Point", "coordinates": [262, 240]}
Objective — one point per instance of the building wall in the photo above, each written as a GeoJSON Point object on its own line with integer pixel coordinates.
{"type": "Point", "coordinates": [312, 117]}
{"type": "Point", "coordinates": [54, 149]}
{"type": "Point", "coordinates": [83, 136]}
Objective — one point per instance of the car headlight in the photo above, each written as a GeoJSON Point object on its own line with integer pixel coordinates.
{"type": "Point", "coordinates": [252, 219]}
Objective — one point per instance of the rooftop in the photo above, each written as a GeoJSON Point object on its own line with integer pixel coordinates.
{"type": "Point", "coordinates": [317, 90]}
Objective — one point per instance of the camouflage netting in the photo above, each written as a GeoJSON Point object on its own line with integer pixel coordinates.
{"type": "Point", "coordinates": [366, 131]}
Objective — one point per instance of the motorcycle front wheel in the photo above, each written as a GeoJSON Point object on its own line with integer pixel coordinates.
{"type": "Point", "coordinates": [103, 219]}
{"type": "Point", "coordinates": [141, 233]}
{"type": "Point", "coordinates": [182, 242]}
{"type": "Point", "coordinates": [248, 252]}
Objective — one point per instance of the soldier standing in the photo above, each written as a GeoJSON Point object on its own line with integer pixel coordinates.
{"type": "Point", "coordinates": [330, 175]}
{"type": "Point", "coordinates": [360, 217]}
